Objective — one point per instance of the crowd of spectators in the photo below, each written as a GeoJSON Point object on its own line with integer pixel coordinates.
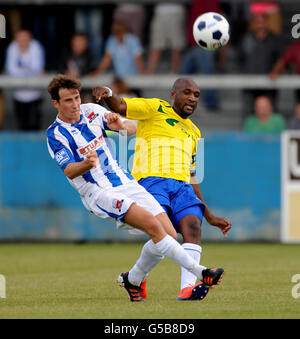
{"type": "Point", "coordinates": [132, 39]}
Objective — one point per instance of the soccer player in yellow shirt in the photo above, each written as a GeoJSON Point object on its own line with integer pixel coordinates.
{"type": "Point", "coordinates": [164, 163]}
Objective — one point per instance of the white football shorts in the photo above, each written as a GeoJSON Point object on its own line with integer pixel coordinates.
{"type": "Point", "coordinates": [114, 202]}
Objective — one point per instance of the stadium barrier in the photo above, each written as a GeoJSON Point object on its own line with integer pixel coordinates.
{"type": "Point", "coordinates": [233, 81]}
{"type": "Point", "coordinates": [241, 183]}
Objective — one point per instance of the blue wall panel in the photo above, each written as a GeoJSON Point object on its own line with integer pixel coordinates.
{"type": "Point", "coordinates": [241, 182]}
{"type": "Point", "coordinates": [29, 177]}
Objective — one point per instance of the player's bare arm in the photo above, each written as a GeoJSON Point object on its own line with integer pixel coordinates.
{"type": "Point", "coordinates": [140, 64]}
{"type": "Point", "coordinates": [130, 127]}
{"type": "Point", "coordinates": [223, 224]}
{"type": "Point", "coordinates": [277, 69]}
{"type": "Point", "coordinates": [115, 123]}
{"type": "Point", "coordinates": [113, 101]}
{"type": "Point", "coordinates": [76, 169]}
{"type": "Point", "coordinates": [104, 64]}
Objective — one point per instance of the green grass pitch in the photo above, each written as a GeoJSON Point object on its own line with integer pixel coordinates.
{"type": "Point", "coordinates": [79, 281]}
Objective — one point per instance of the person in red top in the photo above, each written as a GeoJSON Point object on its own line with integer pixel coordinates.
{"type": "Point", "coordinates": [291, 56]}
{"type": "Point", "coordinates": [197, 8]}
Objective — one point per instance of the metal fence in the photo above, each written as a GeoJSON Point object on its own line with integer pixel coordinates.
{"type": "Point", "coordinates": [237, 81]}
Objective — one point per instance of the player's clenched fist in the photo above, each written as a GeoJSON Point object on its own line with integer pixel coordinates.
{"type": "Point", "coordinates": [111, 117]}
{"type": "Point", "coordinates": [92, 158]}
{"type": "Point", "coordinates": [113, 121]}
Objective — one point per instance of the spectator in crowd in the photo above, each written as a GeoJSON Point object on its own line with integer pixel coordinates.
{"type": "Point", "coordinates": [291, 56]}
{"type": "Point", "coordinates": [88, 20]}
{"type": "Point", "coordinates": [272, 9]}
{"type": "Point", "coordinates": [260, 48]}
{"type": "Point", "coordinates": [294, 121]}
{"type": "Point", "coordinates": [124, 51]}
{"type": "Point", "coordinates": [25, 57]}
{"type": "Point", "coordinates": [198, 60]}
{"type": "Point", "coordinates": [167, 31]}
{"type": "Point", "coordinates": [77, 60]}
{"type": "Point", "coordinates": [264, 119]}
{"type": "Point", "coordinates": [133, 15]}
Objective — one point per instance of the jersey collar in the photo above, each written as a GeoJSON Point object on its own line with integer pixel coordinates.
{"type": "Point", "coordinates": [67, 124]}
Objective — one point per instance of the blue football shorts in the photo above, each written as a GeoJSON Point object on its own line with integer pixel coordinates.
{"type": "Point", "coordinates": [176, 197]}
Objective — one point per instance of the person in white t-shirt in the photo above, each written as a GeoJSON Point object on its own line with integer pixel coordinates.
{"type": "Point", "coordinates": [167, 31]}
{"type": "Point", "coordinates": [25, 57]}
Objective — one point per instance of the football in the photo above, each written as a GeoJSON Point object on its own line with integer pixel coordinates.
{"type": "Point", "coordinates": [211, 31]}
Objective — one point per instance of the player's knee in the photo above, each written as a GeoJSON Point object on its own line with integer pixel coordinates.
{"type": "Point", "coordinates": [167, 225]}
{"type": "Point", "coordinates": [173, 233]}
{"type": "Point", "coordinates": [194, 227]}
{"type": "Point", "coordinates": [191, 229]}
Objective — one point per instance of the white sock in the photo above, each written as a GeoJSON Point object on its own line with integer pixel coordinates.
{"type": "Point", "coordinates": [148, 259]}
{"type": "Point", "coordinates": [194, 251]}
{"type": "Point", "coordinates": [170, 248]}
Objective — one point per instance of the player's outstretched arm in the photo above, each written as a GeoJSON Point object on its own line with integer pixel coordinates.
{"type": "Point", "coordinates": [113, 101]}
{"type": "Point", "coordinates": [76, 169]}
{"type": "Point", "coordinates": [223, 224]}
{"type": "Point", "coordinates": [277, 69]}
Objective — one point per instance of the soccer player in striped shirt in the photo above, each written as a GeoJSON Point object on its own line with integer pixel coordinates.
{"type": "Point", "coordinates": [164, 163]}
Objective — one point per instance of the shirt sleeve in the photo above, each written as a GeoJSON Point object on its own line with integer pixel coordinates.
{"type": "Point", "coordinates": [249, 124]}
{"type": "Point", "coordinates": [11, 62]}
{"type": "Point", "coordinates": [140, 108]}
{"type": "Point", "coordinates": [110, 45]}
{"type": "Point", "coordinates": [38, 58]}
{"type": "Point", "coordinates": [280, 122]}
{"type": "Point", "coordinates": [136, 46]}
{"type": "Point", "coordinates": [59, 148]}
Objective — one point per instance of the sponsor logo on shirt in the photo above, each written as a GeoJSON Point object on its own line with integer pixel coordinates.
{"type": "Point", "coordinates": [91, 115]}
{"type": "Point", "coordinates": [62, 157]}
{"type": "Point", "coordinates": [117, 204]}
{"type": "Point", "coordinates": [74, 131]}
{"type": "Point", "coordinates": [93, 145]}
{"type": "Point", "coordinates": [172, 122]}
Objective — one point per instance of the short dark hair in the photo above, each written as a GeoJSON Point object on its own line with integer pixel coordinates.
{"type": "Point", "coordinates": [62, 81]}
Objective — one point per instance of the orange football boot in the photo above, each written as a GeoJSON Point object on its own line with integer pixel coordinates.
{"type": "Point", "coordinates": [193, 292]}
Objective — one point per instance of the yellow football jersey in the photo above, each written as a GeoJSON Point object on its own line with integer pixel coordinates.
{"type": "Point", "coordinates": [166, 144]}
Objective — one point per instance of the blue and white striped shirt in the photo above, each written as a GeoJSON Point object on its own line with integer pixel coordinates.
{"type": "Point", "coordinates": [68, 143]}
